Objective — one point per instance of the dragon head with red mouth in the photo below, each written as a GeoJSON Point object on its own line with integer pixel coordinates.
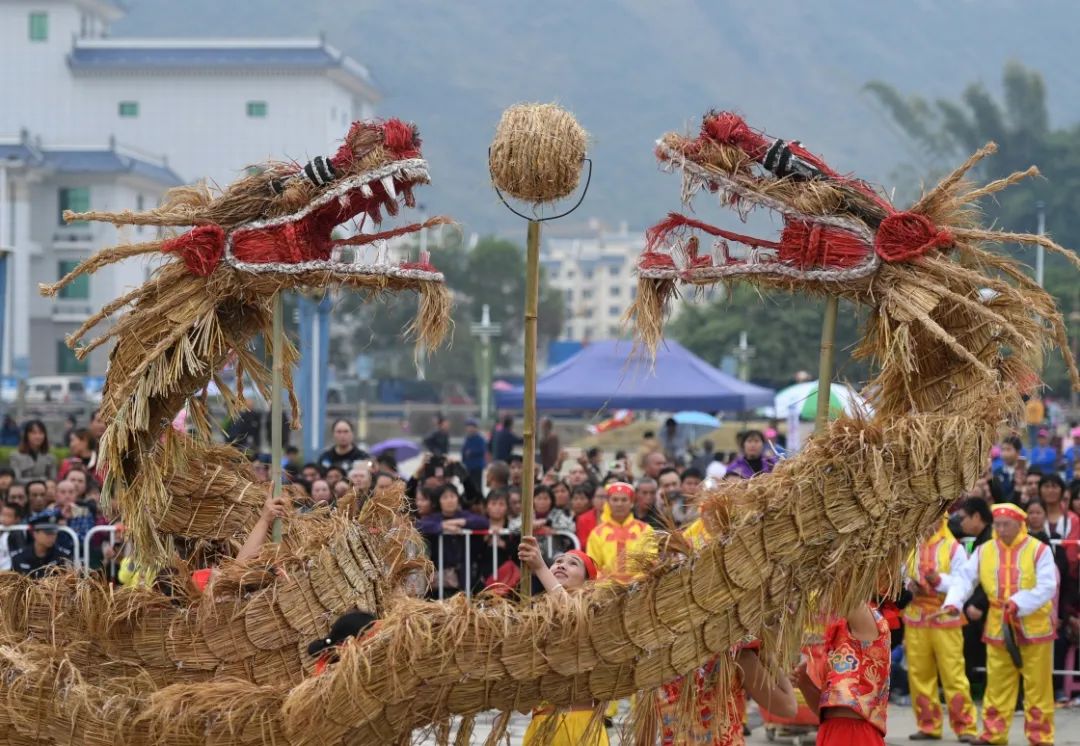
{"type": "Point", "coordinates": [834, 227]}
{"type": "Point", "coordinates": [283, 218]}
{"type": "Point", "coordinates": [925, 271]}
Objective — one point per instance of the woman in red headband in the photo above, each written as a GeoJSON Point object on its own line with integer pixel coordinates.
{"type": "Point", "coordinates": [576, 726]}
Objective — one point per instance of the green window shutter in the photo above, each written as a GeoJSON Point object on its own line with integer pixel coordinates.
{"type": "Point", "coordinates": [66, 362]}
{"type": "Point", "coordinates": [79, 289]}
{"type": "Point", "coordinates": [129, 108]}
{"type": "Point", "coordinates": [76, 199]}
{"type": "Point", "coordinates": [256, 109]}
{"type": "Point", "coordinates": [39, 26]}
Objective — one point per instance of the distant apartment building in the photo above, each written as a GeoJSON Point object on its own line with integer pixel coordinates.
{"type": "Point", "coordinates": [595, 273]}
{"type": "Point", "coordinates": [87, 121]}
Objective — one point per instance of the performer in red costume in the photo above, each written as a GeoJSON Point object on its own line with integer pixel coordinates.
{"type": "Point", "coordinates": [854, 700]}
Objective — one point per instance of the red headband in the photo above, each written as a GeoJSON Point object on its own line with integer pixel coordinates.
{"type": "Point", "coordinates": [590, 565]}
{"type": "Point", "coordinates": [1008, 510]}
{"type": "Point", "coordinates": [620, 488]}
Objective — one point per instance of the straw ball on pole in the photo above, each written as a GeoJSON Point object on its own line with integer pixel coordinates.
{"type": "Point", "coordinates": [537, 152]}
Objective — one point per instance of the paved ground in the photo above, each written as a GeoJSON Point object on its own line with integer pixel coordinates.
{"type": "Point", "coordinates": [901, 724]}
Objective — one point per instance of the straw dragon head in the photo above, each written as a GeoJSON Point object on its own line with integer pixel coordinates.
{"type": "Point", "coordinates": [927, 271]}
{"type": "Point", "coordinates": [282, 219]}
{"type": "Point", "coordinates": [834, 227]}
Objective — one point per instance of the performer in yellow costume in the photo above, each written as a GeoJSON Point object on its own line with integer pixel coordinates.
{"type": "Point", "coordinates": [934, 643]}
{"type": "Point", "coordinates": [1018, 574]}
{"type": "Point", "coordinates": [618, 534]}
{"type": "Point", "coordinates": [576, 726]}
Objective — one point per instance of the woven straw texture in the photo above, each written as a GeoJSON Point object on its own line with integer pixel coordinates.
{"type": "Point", "coordinates": [537, 152]}
{"type": "Point", "coordinates": [821, 533]}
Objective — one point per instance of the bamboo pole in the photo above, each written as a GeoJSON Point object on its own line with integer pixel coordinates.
{"type": "Point", "coordinates": [825, 362]}
{"type": "Point", "coordinates": [276, 386]}
{"type": "Point", "coordinates": [528, 431]}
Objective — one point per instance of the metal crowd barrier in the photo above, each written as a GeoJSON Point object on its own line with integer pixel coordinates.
{"type": "Point", "coordinates": [468, 534]}
{"type": "Point", "coordinates": [112, 530]}
{"type": "Point", "coordinates": [78, 559]}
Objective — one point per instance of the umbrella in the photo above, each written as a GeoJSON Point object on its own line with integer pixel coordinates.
{"type": "Point", "coordinates": [803, 396]}
{"type": "Point", "coordinates": [697, 419]}
{"type": "Point", "coordinates": [402, 449]}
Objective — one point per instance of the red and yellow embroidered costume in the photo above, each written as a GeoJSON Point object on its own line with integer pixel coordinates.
{"type": "Point", "coordinates": [856, 679]}
{"type": "Point", "coordinates": [934, 644]}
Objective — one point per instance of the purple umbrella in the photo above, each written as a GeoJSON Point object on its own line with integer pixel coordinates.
{"type": "Point", "coordinates": [402, 449]}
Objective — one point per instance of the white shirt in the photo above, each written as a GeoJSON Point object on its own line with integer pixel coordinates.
{"type": "Point", "coordinates": [964, 580]}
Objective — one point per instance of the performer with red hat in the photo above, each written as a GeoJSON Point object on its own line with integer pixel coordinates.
{"type": "Point", "coordinates": [576, 725]}
{"type": "Point", "coordinates": [1020, 579]}
{"type": "Point", "coordinates": [618, 534]}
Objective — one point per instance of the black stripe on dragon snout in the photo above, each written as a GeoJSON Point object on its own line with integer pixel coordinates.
{"type": "Point", "coordinates": [319, 171]}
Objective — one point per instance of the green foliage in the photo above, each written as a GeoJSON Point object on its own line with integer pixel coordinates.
{"type": "Point", "coordinates": [946, 132]}
{"type": "Point", "coordinates": [784, 330]}
{"type": "Point", "coordinates": [492, 273]}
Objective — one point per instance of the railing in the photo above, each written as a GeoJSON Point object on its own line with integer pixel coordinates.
{"type": "Point", "coordinates": [467, 535]}
{"type": "Point", "coordinates": [112, 530]}
{"type": "Point", "coordinates": [77, 558]}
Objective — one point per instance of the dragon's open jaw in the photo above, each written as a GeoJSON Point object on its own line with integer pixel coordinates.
{"type": "Point", "coordinates": [387, 187]}
{"type": "Point", "coordinates": [822, 247]}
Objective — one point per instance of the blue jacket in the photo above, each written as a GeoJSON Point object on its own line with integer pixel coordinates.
{"type": "Point", "coordinates": [473, 452]}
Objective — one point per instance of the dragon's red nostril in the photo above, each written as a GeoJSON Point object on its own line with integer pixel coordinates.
{"type": "Point", "coordinates": [904, 236]}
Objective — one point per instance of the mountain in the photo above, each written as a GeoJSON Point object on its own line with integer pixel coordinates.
{"type": "Point", "coordinates": [632, 69]}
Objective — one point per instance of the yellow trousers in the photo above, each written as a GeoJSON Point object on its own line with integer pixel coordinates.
{"type": "Point", "coordinates": [932, 653]}
{"type": "Point", "coordinates": [569, 731]}
{"type": "Point", "coordinates": [1003, 684]}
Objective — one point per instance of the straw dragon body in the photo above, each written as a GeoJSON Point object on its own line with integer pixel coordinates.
{"type": "Point", "coordinates": [950, 328]}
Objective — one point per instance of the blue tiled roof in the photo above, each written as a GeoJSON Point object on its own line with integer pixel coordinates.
{"type": "Point", "coordinates": [107, 162]}
{"type": "Point", "coordinates": [116, 56]}
{"type": "Point", "coordinates": [94, 58]}
{"type": "Point", "coordinates": [15, 152]}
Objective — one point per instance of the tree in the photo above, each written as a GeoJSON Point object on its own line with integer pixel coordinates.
{"type": "Point", "coordinates": [492, 272]}
{"type": "Point", "coordinates": [946, 132]}
{"type": "Point", "coordinates": [784, 331]}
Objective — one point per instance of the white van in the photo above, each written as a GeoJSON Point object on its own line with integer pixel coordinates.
{"type": "Point", "coordinates": [55, 389]}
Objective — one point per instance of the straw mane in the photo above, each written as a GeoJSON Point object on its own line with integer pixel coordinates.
{"type": "Point", "coordinates": [819, 534]}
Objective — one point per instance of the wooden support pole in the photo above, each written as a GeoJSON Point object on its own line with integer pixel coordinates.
{"type": "Point", "coordinates": [276, 386]}
{"type": "Point", "coordinates": [825, 362]}
{"type": "Point", "coordinates": [528, 432]}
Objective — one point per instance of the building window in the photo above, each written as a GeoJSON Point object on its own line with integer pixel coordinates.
{"type": "Point", "coordinates": [614, 310]}
{"type": "Point", "coordinates": [586, 293]}
{"type": "Point", "coordinates": [613, 271]}
{"type": "Point", "coordinates": [588, 313]}
{"type": "Point", "coordinates": [256, 109]}
{"type": "Point", "coordinates": [587, 274]}
{"type": "Point", "coordinates": [76, 199]}
{"type": "Point", "coordinates": [140, 205]}
{"type": "Point", "coordinates": [79, 288]}
{"type": "Point", "coordinates": [67, 363]}
{"type": "Point", "coordinates": [129, 108]}
{"type": "Point", "coordinates": [569, 295]}
{"type": "Point", "coordinates": [39, 26]}
{"type": "Point", "coordinates": [616, 291]}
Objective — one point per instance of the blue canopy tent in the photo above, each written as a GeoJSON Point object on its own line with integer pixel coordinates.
{"type": "Point", "coordinates": [606, 375]}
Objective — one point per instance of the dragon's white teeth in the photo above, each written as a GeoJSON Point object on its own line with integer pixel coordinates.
{"type": "Point", "coordinates": [366, 191]}
{"type": "Point", "coordinates": [388, 185]}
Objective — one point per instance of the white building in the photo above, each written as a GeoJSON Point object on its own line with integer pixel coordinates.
{"type": "Point", "coordinates": [595, 273]}
{"type": "Point", "coordinates": [211, 107]}
{"type": "Point", "coordinates": [36, 186]}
